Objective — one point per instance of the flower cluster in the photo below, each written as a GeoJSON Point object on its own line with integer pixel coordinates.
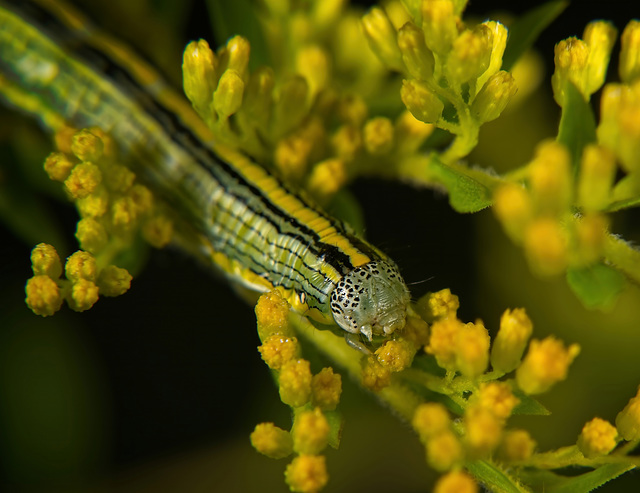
{"type": "Point", "coordinates": [312, 398]}
{"type": "Point", "coordinates": [113, 209]}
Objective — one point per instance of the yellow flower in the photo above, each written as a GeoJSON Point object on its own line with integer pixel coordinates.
{"type": "Point", "coordinates": [590, 238]}
{"type": "Point", "coordinates": [396, 355]}
{"type": "Point", "coordinates": [326, 388]}
{"type": "Point", "coordinates": [517, 445]}
{"type": "Point", "coordinates": [472, 349]}
{"type": "Point", "coordinates": [494, 96]}
{"type": "Point", "coordinates": [198, 74]}
{"type": "Point", "coordinates": [600, 37]}
{"type": "Point", "coordinates": [43, 295]}
{"type": "Point", "coordinates": [417, 58]}
{"type": "Point", "coordinates": [272, 314]}
{"type": "Point", "coordinates": [442, 343]}
{"type": "Point", "coordinates": [307, 474]}
{"type": "Point", "coordinates": [84, 294]}
{"type": "Point", "coordinates": [550, 178]}
{"type": "Point", "coordinates": [570, 57]}
{"type": "Point", "coordinates": [327, 178]}
{"type": "Point", "coordinates": [423, 104]}
{"type": "Point", "coordinates": [629, 66]}
{"type": "Point", "coordinates": [381, 36]}
{"type": "Point", "coordinates": [456, 482]}
{"type": "Point", "coordinates": [113, 281]}
{"type": "Point", "coordinates": [295, 383]}
{"type": "Point", "coordinates": [86, 145]}
{"type": "Point", "coordinates": [546, 246]}
{"type": "Point", "coordinates": [312, 62]}
{"type": "Point", "coordinates": [378, 135]}
{"type": "Point", "coordinates": [440, 304]}
{"type": "Point", "coordinates": [513, 207]}
{"type": "Point", "coordinates": [509, 344]}
{"type": "Point", "coordinates": [83, 180]}
{"type": "Point", "coordinates": [483, 429]}
{"type": "Point", "coordinates": [310, 432]}
{"type": "Point", "coordinates": [470, 55]}
{"type": "Point", "coordinates": [91, 235]}
{"type": "Point", "coordinates": [227, 97]}
{"type": "Point", "coordinates": [375, 377]}
{"type": "Point", "coordinates": [416, 331]}
{"type": "Point", "coordinates": [439, 25]}
{"type": "Point", "coordinates": [271, 441]}
{"type": "Point", "coordinates": [497, 398]}
{"type": "Point", "coordinates": [81, 265]}
{"type": "Point", "coordinates": [118, 178]}
{"type": "Point", "coordinates": [598, 437]}
{"type": "Point", "coordinates": [158, 231]}
{"type": "Point", "coordinates": [277, 350]}
{"type": "Point", "coordinates": [628, 420]}
{"type": "Point", "coordinates": [546, 363]}
{"type": "Point", "coordinates": [94, 205]}
{"type": "Point", "coordinates": [430, 419]}
{"type": "Point", "coordinates": [597, 172]}
{"type": "Point", "coordinates": [58, 166]}
{"type": "Point", "coordinates": [45, 261]}
{"type": "Point", "coordinates": [444, 451]}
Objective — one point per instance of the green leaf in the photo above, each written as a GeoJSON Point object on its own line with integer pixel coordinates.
{"type": "Point", "coordinates": [336, 423]}
{"type": "Point", "coordinates": [497, 480]}
{"type": "Point", "coordinates": [597, 286]}
{"type": "Point", "coordinates": [469, 190]}
{"type": "Point", "coordinates": [524, 32]}
{"type": "Point", "coordinates": [528, 405]}
{"type": "Point", "coordinates": [230, 18]}
{"type": "Point", "coordinates": [577, 123]}
{"type": "Point", "coordinates": [551, 482]}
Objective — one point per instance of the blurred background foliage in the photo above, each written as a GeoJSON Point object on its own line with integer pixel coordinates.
{"type": "Point", "coordinates": [158, 390]}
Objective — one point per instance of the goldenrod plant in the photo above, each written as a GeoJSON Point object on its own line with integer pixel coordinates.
{"type": "Point", "coordinates": [516, 369]}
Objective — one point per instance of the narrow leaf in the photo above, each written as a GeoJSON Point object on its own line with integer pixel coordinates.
{"type": "Point", "coordinates": [469, 190]}
{"type": "Point", "coordinates": [551, 482]}
{"type": "Point", "coordinates": [528, 405]}
{"type": "Point", "coordinates": [494, 477]}
{"type": "Point", "coordinates": [577, 123]}
{"type": "Point", "coordinates": [524, 32]}
{"type": "Point", "coordinates": [597, 286]}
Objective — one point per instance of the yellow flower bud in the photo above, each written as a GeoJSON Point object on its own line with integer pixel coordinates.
{"type": "Point", "coordinates": [43, 296]}
{"type": "Point", "coordinates": [258, 96]}
{"type": "Point", "coordinates": [442, 343]}
{"type": "Point", "coordinates": [307, 474]}
{"type": "Point", "coordinates": [423, 104]}
{"type": "Point", "coordinates": [417, 58]}
{"type": "Point", "coordinates": [497, 398]}
{"type": "Point", "coordinates": [456, 482]}
{"type": "Point", "coordinates": [598, 437]}
{"type": "Point", "coordinates": [352, 109]}
{"type": "Point", "coordinates": [546, 245]}
{"type": "Point", "coordinates": [199, 75]}
{"type": "Point", "coordinates": [91, 235]}
{"type": "Point", "coordinates": [295, 383]}
{"type": "Point", "coordinates": [312, 62]}
{"type": "Point", "coordinates": [382, 37]}
{"type": "Point", "coordinates": [118, 178]}
{"type": "Point", "coordinates": [439, 23]}
{"type": "Point", "coordinates": [271, 441]}
{"type": "Point", "coordinates": [378, 135]}
{"type": "Point", "coordinates": [227, 97]}
{"type": "Point", "coordinates": [444, 451]}
{"type": "Point", "coordinates": [375, 377]}
{"type": "Point", "coordinates": [326, 178]}
{"type": "Point", "coordinates": [158, 231]}
{"type": "Point", "coordinates": [140, 198]}
{"type": "Point", "coordinates": [517, 445]}
{"type": "Point", "coordinates": [629, 65]}
{"type": "Point", "coordinates": [600, 37]}
{"type": "Point", "coordinates": [58, 166]}
{"type": "Point", "coordinates": [494, 96]}
{"type": "Point", "coordinates": [81, 265]}
{"type": "Point", "coordinates": [509, 344]}
{"type": "Point", "coordinates": [326, 388]}
{"type": "Point", "coordinates": [550, 178]}
{"type": "Point", "coordinates": [597, 172]}
{"type": "Point", "coordinates": [238, 50]}
{"type": "Point", "coordinates": [411, 133]}
{"type": "Point", "coordinates": [430, 419]}
{"type": "Point", "coordinates": [546, 363]}
{"type": "Point", "coordinates": [291, 156]}
{"type": "Point", "coordinates": [628, 420]}
{"type": "Point", "coordinates": [113, 281]}
{"type": "Point", "coordinates": [470, 54]}
{"type": "Point", "coordinates": [95, 204]}
{"type": "Point", "coordinates": [590, 236]}
{"type": "Point", "coordinates": [310, 432]}
{"type": "Point", "coordinates": [513, 207]}
{"type": "Point", "coordinates": [500, 34]}
{"type": "Point", "coordinates": [83, 180]}
{"type": "Point", "coordinates": [440, 304]}
{"type": "Point", "coordinates": [347, 142]}
{"type": "Point", "coordinates": [571, 58]}
{"type": "Point", "coordinates": [483, 430]}
{"type": "Point", "coordinates": [472, 349]}
{"type": "Point", "coordinates": [45, 261]}
{"type": "Point", "coordinates": [272, 314]}
{"type": "Point", "coordinates": [277, 350]}
{"type": "Point", "coordinates": [84, 295]}
{"type": "Point", "coordinates": [124, 215]}
{"type": "Point", "coordinates": [396, 355]}
{"type": "Point", "coordinates": [416, 331]}
{"type": "Point", "coordinates": [87, 146]}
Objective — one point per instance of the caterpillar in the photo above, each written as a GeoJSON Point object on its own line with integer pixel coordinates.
{"type": "Point", "coordinates": [256, 230]}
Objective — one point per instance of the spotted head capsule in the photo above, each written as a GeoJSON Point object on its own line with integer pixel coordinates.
{"type": "Point", "coordinates": [371, 299]}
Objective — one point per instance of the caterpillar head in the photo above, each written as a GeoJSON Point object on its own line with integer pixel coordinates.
{"type": "Point", "coordinates": [371, 299]}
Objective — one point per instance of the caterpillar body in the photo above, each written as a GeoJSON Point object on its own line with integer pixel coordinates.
{"type": "Point", "coordinates": [253, 227]}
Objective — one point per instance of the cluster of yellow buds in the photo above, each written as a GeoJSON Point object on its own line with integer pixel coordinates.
{"type": "Point", "coordinates": [310, 397]}
{"type": "Point", "coordinates": [113, 209]}
{"type": "Point", "coordinates": [446, 64]}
